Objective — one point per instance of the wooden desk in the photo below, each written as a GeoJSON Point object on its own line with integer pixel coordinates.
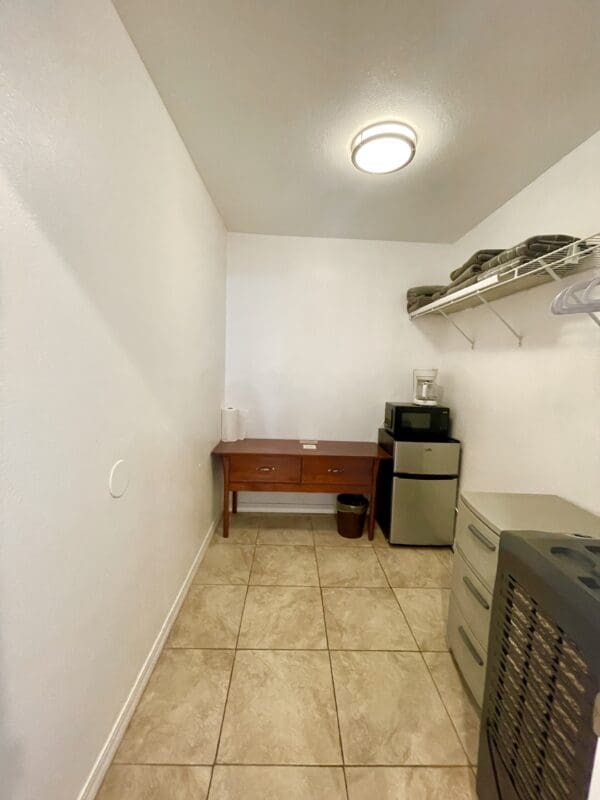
{"type": "Point", "coordinates": [283, 465]}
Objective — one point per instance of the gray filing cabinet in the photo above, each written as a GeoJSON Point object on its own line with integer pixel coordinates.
{"type": "Point", "coordinates": [482, 517]}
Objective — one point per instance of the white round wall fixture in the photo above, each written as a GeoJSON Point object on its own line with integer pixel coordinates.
{"type": "Point", "coordinates": [383, 148]}
{"type": "Point", "coordinates": [118, 480]}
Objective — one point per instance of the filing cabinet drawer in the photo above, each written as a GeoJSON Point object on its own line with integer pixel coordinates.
{"type": "Point", "coordinates": [473, 598]}
{"type": "Point", "coordinates": [336, 470]}
{"type": "Point", "coordinates": [468, 653]}
{"type": "Point", "coordinates": [478, 544]}
{"type": "Point", "coordinates": [264, 469]}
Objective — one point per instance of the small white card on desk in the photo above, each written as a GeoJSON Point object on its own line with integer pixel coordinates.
{"type": "Point", "coordinates": [309, 444]}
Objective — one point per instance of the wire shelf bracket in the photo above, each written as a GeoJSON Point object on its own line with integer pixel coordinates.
{"type": "Point", "coordinates": [499, 316]}
{"type": "Point", "coordinates": [459, 329]}
{"type": "Point", "coordinates": [548, 269]}
{"type": "Point", "coordinates": [594, 317]}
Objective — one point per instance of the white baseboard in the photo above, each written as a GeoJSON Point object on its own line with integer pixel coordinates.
{"type": "Point", "coordinates": [96, 776]}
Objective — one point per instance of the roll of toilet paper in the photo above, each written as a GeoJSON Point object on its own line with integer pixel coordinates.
{"type": "Point", "coordinates": [230, 424]}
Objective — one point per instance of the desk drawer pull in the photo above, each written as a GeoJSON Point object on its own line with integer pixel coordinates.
{"type": "Point", "coordinates": [265, 469]}
{"type": "Point", "coordinates": [335, 470]}
{"type": "Point", "coordinates": [481, 538]}
{"type": "Point", "coordinates": [476, 594]}
{"type": "Point", "coordinates": [465, 637]}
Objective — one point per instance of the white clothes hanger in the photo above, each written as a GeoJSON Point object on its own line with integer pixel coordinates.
{"type": "Point", "coordinates": [582, 297]}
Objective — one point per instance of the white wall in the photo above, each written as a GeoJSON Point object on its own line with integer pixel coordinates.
{"type": "Point", "coordinates": [318, 337]}
{"type": "Point", "coordinates": [112, 274]}
{"type": "Point", "coordinates": [529, 416]}
{"type": "Point", "coordinates": [113, 291]}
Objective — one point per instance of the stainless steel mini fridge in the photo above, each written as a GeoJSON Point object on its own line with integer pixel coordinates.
{"type": "Point", "coordinates": [418, 485]}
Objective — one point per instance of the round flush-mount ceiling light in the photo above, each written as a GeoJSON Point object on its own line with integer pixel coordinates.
{"type": "Point", "coordinates": [384, 147]}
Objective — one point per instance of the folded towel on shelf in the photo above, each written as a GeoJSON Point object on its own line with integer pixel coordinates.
{"type": "Point", "coordinates": [422, 291]}
{"type": "Point", "coordinates": [417, 303]}
{"type": "Point", "coordinates": [533, 247]}
{"type": "Point", "coordinates": [470, 275]}
{"type": "Point", "coordinates": [506, 260]}
{"type": "Point", "coordinates": [516, 262]}
{"type": "Point", "coordinates": [461, 283]}
{"type": "Point", "coordinates": [567, 261]}
{"type": "Point", "coordinates": [474, 263]}
{"type": "Point", "coordinates": [419, 296]}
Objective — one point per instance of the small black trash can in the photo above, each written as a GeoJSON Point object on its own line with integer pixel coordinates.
{"type": "Point", "coordinates": [351, 513]}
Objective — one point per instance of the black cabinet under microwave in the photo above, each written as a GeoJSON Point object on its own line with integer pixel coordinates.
{"type": "Point", "coordinates": [412, 422]}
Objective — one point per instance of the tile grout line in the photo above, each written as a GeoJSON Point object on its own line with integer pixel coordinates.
{"type": "Point", "coordinates": [233, 660]}
{"type": "Point", "coordinates": [269, 585]}
{"type": "Point", "coordinates": [421, 652]}
{"type": "Point", "coordinates": [405, 618]}
{"type": "Point", "coordinates": [269, 765]}
{"type": "Point", "coordinates": [337, 713]}
{"type": "Point", "coordinates": [437, 552]}
{"type": "Point", "coordinates": [312, 649]}
{"type": "Point", "coordinates": [389, 549]}
{"type": "Point", "coordinates": [464, 749]}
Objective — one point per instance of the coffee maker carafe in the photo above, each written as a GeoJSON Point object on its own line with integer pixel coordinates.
{"type": "Point", "coordinates": [426, 390]}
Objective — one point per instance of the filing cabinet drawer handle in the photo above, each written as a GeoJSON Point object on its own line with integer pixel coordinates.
{"type": "Point", "coordinates": [481, 538]}
{"type": "Point", "coordinates": [265, 469]}
{"type": "Point", "coordinates": [465, 637]}
{"type": "Point", "coordinates": [476, 594]}
{"type": "Point", "coordinates": [335, 470]}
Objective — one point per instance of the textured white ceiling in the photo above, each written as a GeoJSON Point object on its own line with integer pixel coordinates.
{"type": "Point", "coordinates": [268, 93]}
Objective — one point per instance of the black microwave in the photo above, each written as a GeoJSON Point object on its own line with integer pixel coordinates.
{"type": "Point", "coordinates": [412, 422]}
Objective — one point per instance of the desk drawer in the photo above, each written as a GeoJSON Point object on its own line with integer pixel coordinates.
{"type": "Point", "coordinates": [478, 544]}
{"type": "Point", "coordinates": [473, 598]}
{"type": "Point", "coordinates": [336, 470]}
{"type": "Point", "coordinates": [267, 469]}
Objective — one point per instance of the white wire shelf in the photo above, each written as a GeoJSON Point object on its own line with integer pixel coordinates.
{"type": "Point", "coordinates": [563, 262]}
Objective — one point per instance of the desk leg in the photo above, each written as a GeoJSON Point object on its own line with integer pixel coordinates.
{"type": "Point", "coordinates": [373, 498]}
{"type": "Point", "coordinates": [234, 502]}
{"type": "Point", "coordinates": [225, 498]}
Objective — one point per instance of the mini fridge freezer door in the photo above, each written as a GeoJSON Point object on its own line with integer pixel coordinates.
{"type": "Point", "coordinates": [427, 458]}
{"type": "Point", "coordinates": [423, 510]}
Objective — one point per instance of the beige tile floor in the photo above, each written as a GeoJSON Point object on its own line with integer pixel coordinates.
{"type": "Point", "coordinates": [304, 666]}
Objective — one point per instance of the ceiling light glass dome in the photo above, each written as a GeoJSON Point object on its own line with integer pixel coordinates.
{"type": "Point", "coordinates": [384, 147]}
